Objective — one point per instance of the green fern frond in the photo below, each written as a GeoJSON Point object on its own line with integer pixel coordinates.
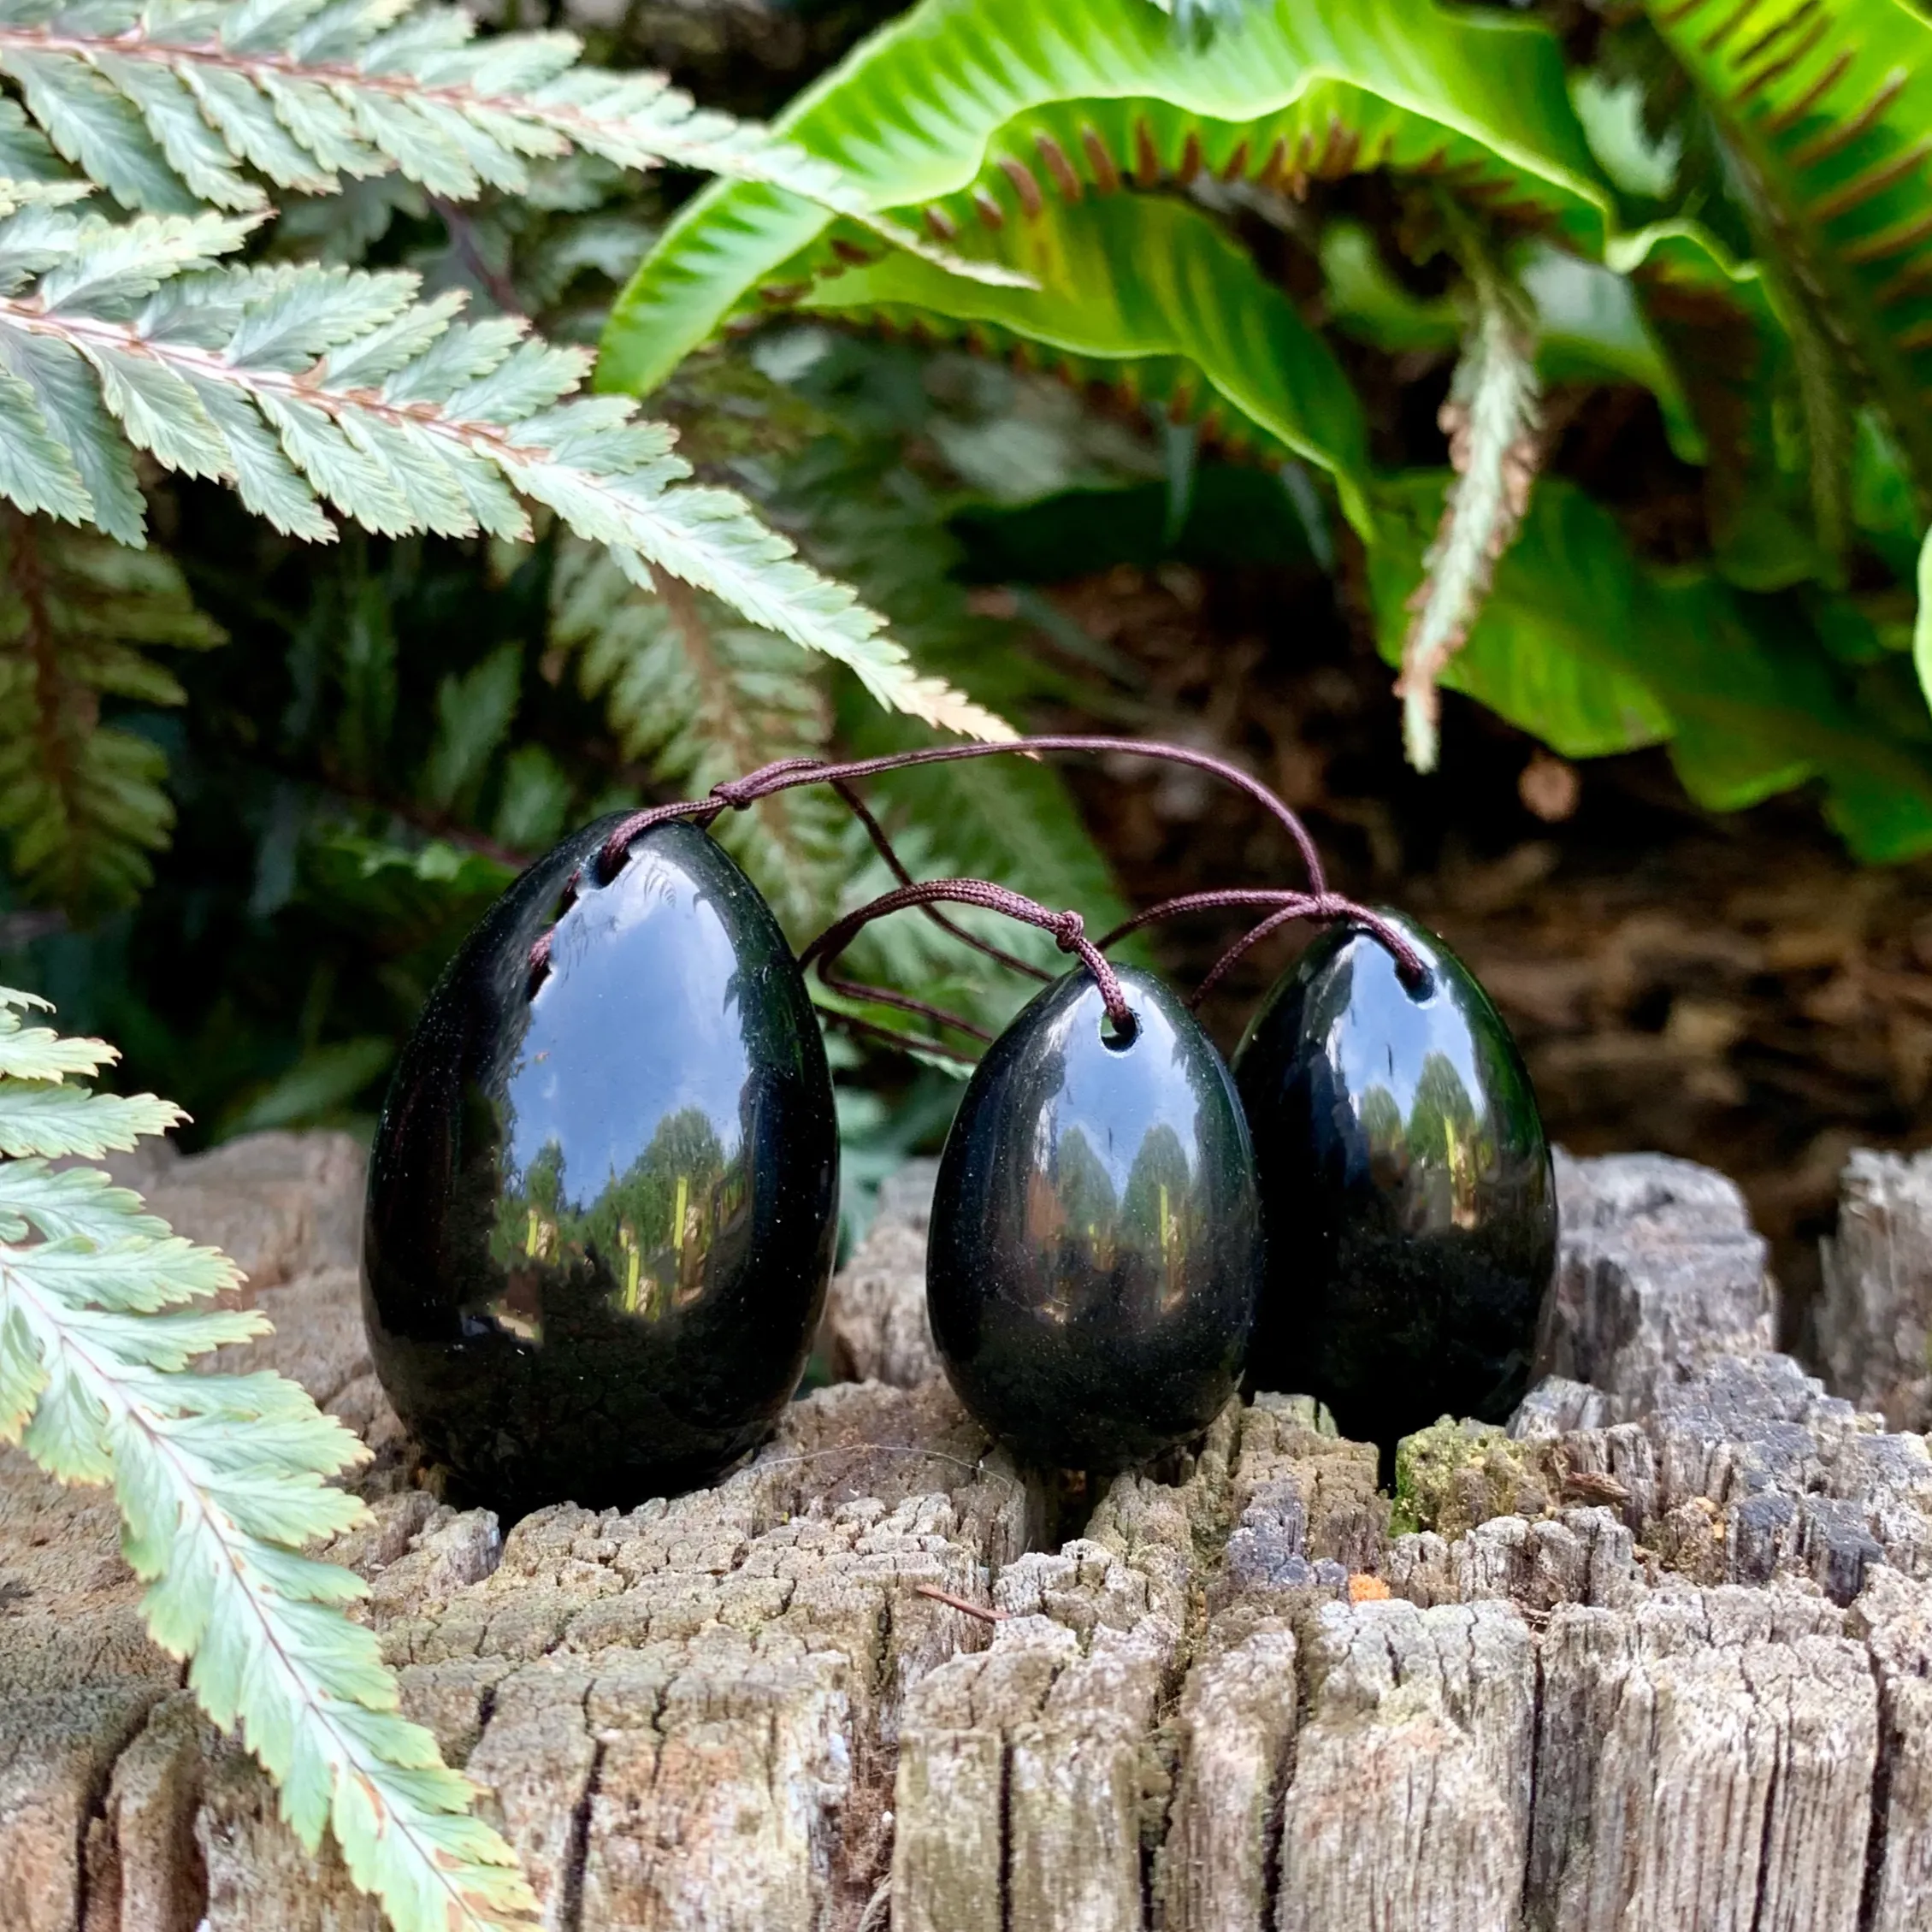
{"type": "Point", "coordinates": [169, 106]}
{"type": "Point", "coordinates": [1492, 420]}
{"type": "Point", "coordinates": [304, 384]}
{"type": "Point", "coordinates": [978, 114]}
{"type": "Point", "coordinates": [1727, 340]}
{"type": "Point", "coordinates": [1149, 296]}
{"type": "Point", "coordinates": [221, 1480]}
{"type": "Point", "coordinates": [81, 802]}
{"type": "Point", "coordinates": [1597, 652]}
{"type": "Point", "coordinates": [701, 697]}
{"type": "Point", "coordinates": [1826, 105]}
{"type": "Point", "coordinates": [57, 1202]}
{"type": "Point", "coordinates": [38, 1053]}
{"type": "Point", "coordinates": [1830, 420]}
{"type": "Point", "coordinates": [58, 1120]}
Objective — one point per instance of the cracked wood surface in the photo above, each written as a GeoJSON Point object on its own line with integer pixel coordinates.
{"type": "Point", "coordinates": [1657, 1658]}
{"type": "Point", "coordinates": [1875, 1317]}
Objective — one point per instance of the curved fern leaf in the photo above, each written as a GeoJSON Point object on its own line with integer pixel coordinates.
{"type": "Point", "coordinates": [1581, 644]}
{"type": "Point", "coordinates": [1149, 296]}
{"type": "Point", "coordinates": [983, 111]}
{"type": "Point", "coordinates": [167, 106]}
{"type": "Point", "coordinates": [1828, 106]}
{"type": "Point", "coordinates": [304, 384]}
{"type": "Point", "coordinates": [38, 1053]}
{"type": "Point", "coordinates": [1726, 339]}
{"type": "Point", "coordinates": [81, 802]}
{"type": "Point", "coordinates": [1590, 326]}
{"type": "Point", "coordinates": [221, 1480]}
{"type": "Point", "coordinates": [1494, 420]}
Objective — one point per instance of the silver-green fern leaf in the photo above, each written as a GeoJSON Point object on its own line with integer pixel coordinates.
{"type": "Point", "coordinates": [304, 386]}
{"type": "Point", "coordinates": [1493, 420]}
{"type": "Point", "coordinates": [222, 1480]}
{"type": "Point", "coordinates": [81, 802]}
{"type": "Point", "coordinates": [181, 103]}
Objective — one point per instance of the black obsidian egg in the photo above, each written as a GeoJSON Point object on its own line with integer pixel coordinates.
{"type": "Point", "coordinates": [1406, 1189]}
{"type": "Point", "coordinates": [601, 1215]}
{"type": "Point", "coordinates": [1095, 1251]}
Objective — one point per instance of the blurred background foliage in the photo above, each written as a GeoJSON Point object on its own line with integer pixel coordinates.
{"type": "Point", "coordinates": [1629, 307]}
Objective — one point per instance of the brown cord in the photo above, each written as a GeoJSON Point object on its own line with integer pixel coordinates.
{"type": "Point", "coordinates": [738, 793]}
{"type": "Point", "coordinates": [1410, 965]}
{"type": "Point", "coordinates": [857, 989]}
{"type": "Point", "coordinates": [1329, 907]}
{"type": "Point", "coordinates": [1253, 936]}
{"type": "Point", "coordinates": [902, 1042]}
{"type": "Point", "coordinates": [1068, 928]}
{"type": "Point", "coordinates": [883, 846]}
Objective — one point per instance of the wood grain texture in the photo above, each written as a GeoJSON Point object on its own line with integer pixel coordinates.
{"type": "Point", "coordinates": [1657, 1658]}
{"type": "Point", "coordinates": [875, 1327]}
{"type": "Point", "coordinates": [1875, 1316]}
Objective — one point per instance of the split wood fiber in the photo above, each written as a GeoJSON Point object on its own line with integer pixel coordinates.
{"type": "Point", "coordinates": [1656, 1659]}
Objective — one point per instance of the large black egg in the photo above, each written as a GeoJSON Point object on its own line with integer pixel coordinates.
{"type": "Point", "coordinates": [1406, 1188]}
{"type": "Point", "coordinates": [601, 1215]}
{"type": "Point", "coordinates": [1095, 1251]}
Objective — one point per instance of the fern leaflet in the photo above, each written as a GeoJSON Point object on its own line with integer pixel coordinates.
{"type": "Point", "coordinates": [167, 105]}
{"type": "Point", "coordinates": [980, 114]}
{"type": "Point", "coordinates": [1825, 105]}
{"type": "Point", "coordinates": [81, 802]}
{"type": "Point", "coordinates": [301, 385]}
{"type": "Point", "coordinates": [1492, 420]}
{"type": "Point", "coordinates": [222, 1479]}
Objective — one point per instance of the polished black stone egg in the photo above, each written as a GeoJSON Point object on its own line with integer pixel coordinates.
{"type": "Point", "coordinates": [1406, 1189]}
{"type": "Point", "coordinates": [1095, 1251]}
{"type": "Point", "coordinates": [601, 1213]}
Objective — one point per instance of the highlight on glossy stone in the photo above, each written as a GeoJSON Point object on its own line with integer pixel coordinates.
{"type": "Point", "coordinates": [601, 1215]}
{"type": "Point", "coordinates": [1094, 1258]}
{"type": "Point", "coordinates": [1406, 1188]}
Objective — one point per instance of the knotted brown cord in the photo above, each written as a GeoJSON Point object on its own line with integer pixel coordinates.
{"type": "Point", "coordinates": [1068, 928]}
{"type": "Point", "coordinates": [883, 846]}
{"type": "Point", "coordinates": [738, 793]}
{"type": "Point", "coordinates": [1328, 907]}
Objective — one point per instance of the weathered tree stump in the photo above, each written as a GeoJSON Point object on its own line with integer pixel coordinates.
{"type": "Point", "coordinates": [1657, 1659]}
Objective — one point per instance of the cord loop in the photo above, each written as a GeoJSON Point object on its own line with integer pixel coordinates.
{"type": "Point", "coordinates": [1068, 928]}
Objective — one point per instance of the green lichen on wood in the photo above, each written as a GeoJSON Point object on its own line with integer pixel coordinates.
{"type": "Point", "coordinates": [1455, 1475]}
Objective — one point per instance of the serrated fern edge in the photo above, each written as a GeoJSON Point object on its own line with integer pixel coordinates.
{"type": "Point", "coordinates": [403, 419]}
{"type": "Point", "coordinates": [95, 1336]}
{"type": "Point", "coordinates": [1492, 419]}
{"type": "Point", "coordinates": [407, 89]}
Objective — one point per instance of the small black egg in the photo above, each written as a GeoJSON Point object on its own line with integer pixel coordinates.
{"type": "Point", "coordinates": [1094, 1253]}
{"type": "Point", "coordinates": [601, 1213]}
{"type": "Point", "coordinates": [1406, 1194]}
